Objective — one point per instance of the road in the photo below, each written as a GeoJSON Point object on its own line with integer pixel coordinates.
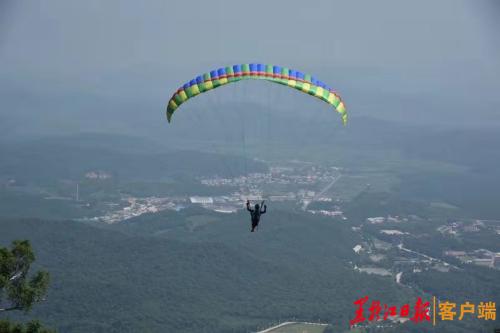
{"type": "Point", "coordinates": [323, 191]}
{"type": "Point", "coordinates": [400, 246]}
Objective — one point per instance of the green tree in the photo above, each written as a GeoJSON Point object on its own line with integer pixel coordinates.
{"type": "Point", "coordinates": [18, 291]}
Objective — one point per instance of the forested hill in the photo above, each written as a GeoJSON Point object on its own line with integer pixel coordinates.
{"type": "Point", "coordinates": [126, 158]}
{"type": "Point", "coordinates": [111, 281]}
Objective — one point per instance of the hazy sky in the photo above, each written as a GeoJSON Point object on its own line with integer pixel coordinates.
{"type": "Point", "coordinates": [75, 65]}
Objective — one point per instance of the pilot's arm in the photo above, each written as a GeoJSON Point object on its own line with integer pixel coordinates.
{"type": "Point", "coordinates": [248, 206]}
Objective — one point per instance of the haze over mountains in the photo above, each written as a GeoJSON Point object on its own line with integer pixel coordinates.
{"type": "Point", "coordinates": [197, 270]}
{"type": "Point", "coordinates": [400, 203]}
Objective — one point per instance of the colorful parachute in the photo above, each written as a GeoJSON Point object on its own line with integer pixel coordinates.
{"type": "Point", "coordinates": [282, 75]}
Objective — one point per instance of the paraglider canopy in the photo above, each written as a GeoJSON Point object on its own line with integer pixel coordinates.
{"type": "Point", "coordinates": [277, 74]}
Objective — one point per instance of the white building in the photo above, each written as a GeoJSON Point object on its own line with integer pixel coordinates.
{"type": "Point", "coordinates": [392, 232]}
{"type": "Point", "coordinates": [201, 200]}
{"type": "Point", "coordinates": [225, 209]}
{"type": "Point", "coordinates": [357, 248]}
{"type": "Point", "coordinates": [376, 220]}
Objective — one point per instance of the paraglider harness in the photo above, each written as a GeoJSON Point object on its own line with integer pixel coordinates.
{"type": "Point", "coordinates": [256, 213]}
